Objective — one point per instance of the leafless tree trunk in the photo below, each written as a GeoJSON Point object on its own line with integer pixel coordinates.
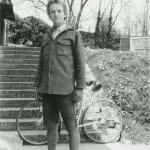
{"type": "Point", "coordinates": [111, 21]}
{"type": "Point", "coordinates": [82, 5]}
{"type": "Point", "coordinates": [70, 5]}
{"type": "Point", "coordinates": [111, 6]}
{"type": "Point", "coordinates": [100, 16]}
{"type": "Point", "coordinates": [71, 18]}
{"type": "Point", "coordinates": [146, 18]}
{"type": "Point", "coordinates": [74, 21]}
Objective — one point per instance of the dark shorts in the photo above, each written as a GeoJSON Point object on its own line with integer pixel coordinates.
{"type": "Point", "coordinates": [53, 105]}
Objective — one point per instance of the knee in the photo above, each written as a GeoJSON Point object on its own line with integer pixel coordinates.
{"type": "Point", "coordinates": [52, 126]}
{"type": "Point", "coordinates": [71, 128]}
{"type": "Point", "coordinates": [73, 132]}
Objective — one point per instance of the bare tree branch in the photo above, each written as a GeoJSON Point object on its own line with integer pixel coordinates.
{"type": "Point", "coordinates": [41, 2]}
{"type": "Point", "coordinates": [82, 5]}
{"type": "Point", "coordinates": [119, 11]}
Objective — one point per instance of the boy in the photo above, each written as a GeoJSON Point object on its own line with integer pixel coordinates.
{"type": "Point", "coordinates": [61, 75]}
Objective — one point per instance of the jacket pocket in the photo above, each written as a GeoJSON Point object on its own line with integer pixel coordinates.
{"type": "Point", "coordinates": [64, 47]}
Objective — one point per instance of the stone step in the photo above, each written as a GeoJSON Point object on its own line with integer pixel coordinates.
{"type": "Point", "coordinates": [18, 66]}
{"type": "Point", "coordinates": [26, 93]}
{"type": "Point", "coordinates": [14, 102]}
{"type": "Point", "coordinates": [7, 124]}
{"type": "Point", "coordinates": [18, 48]}
{"type": "Point", "coordinates": [12, 112]}
{"type": "Point", "coordinates": [35, 132]}
{"type": "Point", "coordinates": [17, 78]}
{"type": "Point", "coordinates": [16, 85]}
{"type": "Point", "coordinates": [18, 56]}
{"type": "Point", "coordinates": [29, 52]}
{"type": "Point", "coordinates": [8, 113]}
{"type": "Point", "coordinates": [18, 71]}
{"type": "Point", "coordinates": [63, 138]}
{"type": "Point", "coordinates": [19, 61]}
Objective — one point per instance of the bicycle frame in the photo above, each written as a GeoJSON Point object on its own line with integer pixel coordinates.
{"type": "Point", "coordinates": [81, 110]}
{"type": "Point", "coordinates": [92, 100]}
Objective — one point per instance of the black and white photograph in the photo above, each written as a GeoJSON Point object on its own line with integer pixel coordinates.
{"type": "Point", "coordinates": [74, 74]}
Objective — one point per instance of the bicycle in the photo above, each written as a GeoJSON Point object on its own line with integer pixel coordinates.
{"type": "Point", "coordinates": [100, 120]}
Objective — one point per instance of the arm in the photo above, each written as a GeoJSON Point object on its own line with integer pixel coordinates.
{"type": "Point", "coordinates": [79, 62]}
{"type": "Point", "coordinates": [39, 68]}
{"type": "Point", "coordinates": [79, 68]}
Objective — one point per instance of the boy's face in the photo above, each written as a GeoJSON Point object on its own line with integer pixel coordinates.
{"type": "Point", "coordinates": [57, 14]}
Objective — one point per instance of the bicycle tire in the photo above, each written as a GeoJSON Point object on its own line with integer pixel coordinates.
{"type": "Point", "coordinates": [106, 121]}
{"type": "Point", "coordinates": [30, 125]}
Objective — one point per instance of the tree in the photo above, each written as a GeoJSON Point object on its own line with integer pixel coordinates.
{"type": "Point", "coordinates": [112, 20]}
{"type": "Point", "coordinates": [100, 16]}
{"type": "Point", "coordinates": [146, 18]}
{"type": "Point", "coordinates": [28, 31]}
{"type": "Point", "coordinates": [73, 20]}
{"type": "Point", "coordinates": [82, 5]}
{"type": "Point", "coordinates": [114, 8]}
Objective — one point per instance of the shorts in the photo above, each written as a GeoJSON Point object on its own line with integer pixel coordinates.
{"type": "Point", "coordinates": [54, 105]}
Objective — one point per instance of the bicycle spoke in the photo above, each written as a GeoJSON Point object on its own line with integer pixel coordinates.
{"type": "Point", "coordinates": [102, 122]}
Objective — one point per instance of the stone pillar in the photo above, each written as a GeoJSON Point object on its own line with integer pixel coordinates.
{"type": "Point", "coordinates": [6, 12]}
{"type": "Point", "coordinates": [1, 26]}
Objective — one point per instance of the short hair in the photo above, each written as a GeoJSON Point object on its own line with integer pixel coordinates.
{"type": "Point", "coordinates": [65, 7]}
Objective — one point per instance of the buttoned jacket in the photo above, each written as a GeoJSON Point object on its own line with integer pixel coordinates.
{"type": "Point", "coordinates": [61, 64]}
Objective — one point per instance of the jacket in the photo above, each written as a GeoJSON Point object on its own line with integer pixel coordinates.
{"type": "Point", "coordinates": [61, 64]}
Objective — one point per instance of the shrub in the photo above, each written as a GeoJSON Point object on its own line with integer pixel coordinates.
{"type": "Point", "coordinates": [28, 31]}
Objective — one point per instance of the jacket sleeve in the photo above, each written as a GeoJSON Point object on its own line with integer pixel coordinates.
{"type": "Point", "coordinates": [39, 68]}
{"type": "Point", "coordinates": [79, 62]}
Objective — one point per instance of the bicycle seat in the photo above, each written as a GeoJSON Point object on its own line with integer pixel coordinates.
{"type": "Point", "coordinates": [89, 83]}
{"type": "Point", "coordinates": [96, 86]}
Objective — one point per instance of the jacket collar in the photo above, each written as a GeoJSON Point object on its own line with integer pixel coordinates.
{"type": "Point", "coordinates": [50, 30]}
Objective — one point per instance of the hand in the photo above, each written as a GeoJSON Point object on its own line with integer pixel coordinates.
{"type": "Point", "coordinates": [38, 97]}
{"type": "Point", "coordinates": [77, 99]}
{"type": "Point", "coordinates": [77, 96]}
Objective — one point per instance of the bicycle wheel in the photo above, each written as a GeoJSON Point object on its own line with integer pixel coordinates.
{"type": "Point", "coordinates": [102, 122]}
{"type": "Point", "coordinates": [30, 125]}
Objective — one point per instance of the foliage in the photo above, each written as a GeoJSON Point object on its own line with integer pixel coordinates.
{"type": "Point", "coordinates": [28, 31]}
{"type": "Point", "coordinates": [106, 19]}
{"type": "Point", "coordinates": [106, 39]}
{"type": "Point", "coordinates": [125, 78]}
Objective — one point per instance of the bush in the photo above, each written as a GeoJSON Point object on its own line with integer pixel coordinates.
{"type": "Point", "coordinates": [28, 31]}
{"type": "Point", "coordinates": [125, 78]}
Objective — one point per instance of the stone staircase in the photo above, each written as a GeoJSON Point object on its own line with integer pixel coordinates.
{"type": "Point", "coordinates": [18, 67]}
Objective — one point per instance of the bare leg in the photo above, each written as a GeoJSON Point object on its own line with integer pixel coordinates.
{"type": "Point", "coordinates": [52, 137]}
{"type": "Point", "coordinates": [51, 120]}
{"type": "Point", "coordinates": [68, 114]}
{"type": "Point", "coordinates": [74, 139]}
